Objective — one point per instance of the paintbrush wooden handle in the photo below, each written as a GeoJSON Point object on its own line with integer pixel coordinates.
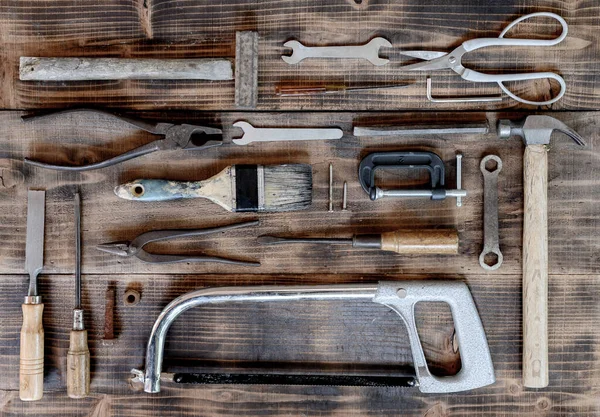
{"type": "Point", "coordinates": [78, 365]}
{"type": "Point", "coordinates": [31, 365]}
{"type": "Point", "coordinates": [217, 189]}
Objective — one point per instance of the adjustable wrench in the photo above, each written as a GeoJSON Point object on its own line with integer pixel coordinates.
{"type": "Point", "coordinates": [255, 134]}
{"type": "Point", "coordinates": [491, 243]}
{"type": "Point", "coordinates": [368, 51]}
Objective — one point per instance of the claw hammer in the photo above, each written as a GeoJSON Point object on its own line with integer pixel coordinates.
{"type": "Point", "coordinates": [535, 132]}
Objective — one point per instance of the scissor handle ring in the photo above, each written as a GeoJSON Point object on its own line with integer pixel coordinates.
{"type": "Point", "coordinates": [535, 76]}
{"type": "Point", "coordinates": [549, 42]}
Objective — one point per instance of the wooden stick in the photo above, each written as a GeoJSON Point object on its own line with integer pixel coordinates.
{"type": "Point", "coordinates": [78, 365]}
{"type": "Point", "coordinates": [85, 69]}
{"type": "Point", "coordinates": [535, 267]}
{"type": "Point", "coordinates": [31, 366]}
{"type": "Point", "coordinates": [246, 70]}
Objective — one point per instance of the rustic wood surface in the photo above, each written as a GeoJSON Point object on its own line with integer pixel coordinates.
{"type": "Point", "coordinates": [199, 29]}
{"type": "Point", "coordinates": [337, 336]}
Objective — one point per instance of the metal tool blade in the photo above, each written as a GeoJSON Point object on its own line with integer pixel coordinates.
{"type": "Point", "coordinates": [34, 252]}
{"type": "Point", "coordinates": [465, 129]}
{"type": "Point", "coordinates": [77, 251]}
{"type": "Point", "coordinates": [294, 379]}
{"type": "Point", "coordinates": [274, 240]}
{"type": "Point", "coordinates": [426, 55]}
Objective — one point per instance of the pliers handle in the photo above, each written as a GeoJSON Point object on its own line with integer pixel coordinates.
{"type": "Point", "coordinates": [135, 247]}
{"type": "Point", "coordinates": [182, 136]}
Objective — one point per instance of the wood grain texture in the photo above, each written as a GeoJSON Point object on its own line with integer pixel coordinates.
{"type": "Point", "coordinates": [535, 267]}
{"type": "Point", "coordinates": [31, 361]}
{"type": "Point", "coordinates": [334, 336]}
{"type": "Point", "coordinates": [199, 29]}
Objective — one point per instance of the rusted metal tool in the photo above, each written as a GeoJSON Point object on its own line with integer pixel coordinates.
{"type": "Point", "coordinates": [175, 136]}
{"type": "Point", "coordinates": [136, 247]}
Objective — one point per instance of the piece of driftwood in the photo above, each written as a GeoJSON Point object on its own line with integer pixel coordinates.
{"type": "Point", "coordinates": [246, 70]}
{"type": "Point", "coordinates": [86, 69]}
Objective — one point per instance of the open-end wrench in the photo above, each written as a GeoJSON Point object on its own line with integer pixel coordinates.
{"type": "Point", "coordinates": [491, 257]}
{"type": "Point", "coordinates": [368, 51]}
{"type": "Point", "coordinates": [255, 134]}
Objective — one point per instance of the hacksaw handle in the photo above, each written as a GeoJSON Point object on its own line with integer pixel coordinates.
{"type": "Point", "coordinates": [78, 365]}
{"type": "Point", "coordinates": [31, 365]}
{"type": "Point", "coordinates": [535, 267]}
{"type": "Point", "coordinates": [428, 241]}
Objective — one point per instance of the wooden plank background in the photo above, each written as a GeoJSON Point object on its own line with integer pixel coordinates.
{"type": "Point", "coordinates": [204, 28]}
{"type": "Point", "coordinates": [340, 336]}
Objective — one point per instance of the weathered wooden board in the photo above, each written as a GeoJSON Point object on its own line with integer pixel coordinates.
{"type": "Point", "coordinates": [334, 335]}
{"type": "Point", "coordinates": [328, 335]}
{"type": "Point", "coordinates": [76, 138]}
{"type": "Point", "coordinates": [177, 29]}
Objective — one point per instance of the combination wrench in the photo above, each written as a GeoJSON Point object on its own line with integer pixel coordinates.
{"type": "Point", "coordinates": [490, 258]}
{"type": "Point", "coordinates": [368, 51]}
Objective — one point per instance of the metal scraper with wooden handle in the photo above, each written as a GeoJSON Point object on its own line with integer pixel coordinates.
{"type": "Point", "coordinates": [535, 132]}
{"type": "Point", "coordinates": [31, 364]}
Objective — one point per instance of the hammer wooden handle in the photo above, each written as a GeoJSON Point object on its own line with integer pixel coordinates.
{"type": "Point", "coordinates": [421, 242]}
{"type": "Point", "coordinates": [535, 267]}
{"type": "Point", "coordinates": [31, 365]}
{"type": "Point", "coordinates": [78, 365]}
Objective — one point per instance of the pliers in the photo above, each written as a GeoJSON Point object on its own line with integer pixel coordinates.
{"type": "Point", "coordinates": [182, 136]}
{"type": "Point", "coordinates": [135, 247]}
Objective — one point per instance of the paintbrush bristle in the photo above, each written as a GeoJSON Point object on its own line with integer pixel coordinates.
{"type": "Point", "coordinates": [287, 187]}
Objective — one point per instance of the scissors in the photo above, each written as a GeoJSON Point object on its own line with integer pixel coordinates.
{"type": "Point", "coordinates": [452, 60]}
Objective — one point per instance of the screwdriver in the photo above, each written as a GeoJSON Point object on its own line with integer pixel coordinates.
{"type": "Point", "coordinates": [422, 242]}
{"type": "Point", "coordinates": [78, 356]}
{"type": "Point", "coordinates": [287, 91]}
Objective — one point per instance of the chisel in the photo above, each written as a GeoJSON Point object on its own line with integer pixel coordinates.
{"type": "Point", "coordinates": [78, 356]}
{"type": "Point", "coordinates": [31, 364]}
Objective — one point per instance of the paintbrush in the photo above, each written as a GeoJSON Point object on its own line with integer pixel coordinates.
{"type": "Point", "coordinates": [237, 188]}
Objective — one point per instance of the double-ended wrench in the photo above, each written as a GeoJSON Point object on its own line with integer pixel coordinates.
{"type": "Point", "coordinates": [490, 258]}
{"type": "Point", "coordinates": [269, 134]}
{"type": "Point", "coordinates": [368, 51]}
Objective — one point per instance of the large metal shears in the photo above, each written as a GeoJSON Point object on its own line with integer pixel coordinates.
{"type": "Point", "coordinates": [452, 60]}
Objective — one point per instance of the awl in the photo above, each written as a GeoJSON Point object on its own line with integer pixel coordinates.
{"type": "Point", "coordinates": [31, 364]}
{"type": "Point", "coordinates": [427, 241]}
{"type": "Point", "coordinates": [78, 356]}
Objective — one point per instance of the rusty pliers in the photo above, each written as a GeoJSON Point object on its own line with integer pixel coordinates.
{"type": "Point", "coordinates": [182, 136]}
{"type": "Point", "coordinates": [136, 246]}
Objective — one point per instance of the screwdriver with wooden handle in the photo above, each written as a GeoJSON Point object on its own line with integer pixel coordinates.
{"type": "Point", "coordinates": [417, 242]}
{"type": "Point", "coordinates": [78, 356]}
{"type": "Point", "coordinates": [31, 361]}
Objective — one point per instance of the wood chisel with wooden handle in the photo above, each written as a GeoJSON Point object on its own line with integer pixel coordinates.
{"type": "Point", "coordinates": [31, 365]}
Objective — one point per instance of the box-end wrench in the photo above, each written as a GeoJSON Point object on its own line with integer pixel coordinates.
{"type": "Point", "coordinates": [269, 134]}
{"type": "Point", "coordinates": [490, 258]}
{"type": "Point", "coordinates": [368, 51]}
